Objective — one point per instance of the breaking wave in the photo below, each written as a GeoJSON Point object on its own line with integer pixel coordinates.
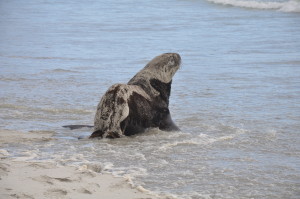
{"type": "Point", "coordinates": [287, 6]}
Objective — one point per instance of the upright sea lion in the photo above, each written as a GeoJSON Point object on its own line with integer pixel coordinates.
{"type": "Point", "coordinates": [127, 109]}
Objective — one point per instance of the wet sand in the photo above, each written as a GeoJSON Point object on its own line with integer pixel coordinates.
{"type": "Point", "coordinates": [23, 178]}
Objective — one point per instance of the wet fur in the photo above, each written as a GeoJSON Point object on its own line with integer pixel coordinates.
{"type": "Point", "coordinates": [127, 109]}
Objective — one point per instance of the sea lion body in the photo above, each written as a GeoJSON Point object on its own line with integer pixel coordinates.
{"type": "Point", "coordinates": [127, 109]}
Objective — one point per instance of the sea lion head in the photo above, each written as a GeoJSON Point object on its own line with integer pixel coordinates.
{"type": "Point", "coordinates": [163, 67]}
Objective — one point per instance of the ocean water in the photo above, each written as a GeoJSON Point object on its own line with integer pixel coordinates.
{"type": "Point", "coordinates": [236, 97]}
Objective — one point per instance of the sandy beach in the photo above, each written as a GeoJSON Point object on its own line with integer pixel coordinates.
{"type": "Point", "coordinates": [21, 178]}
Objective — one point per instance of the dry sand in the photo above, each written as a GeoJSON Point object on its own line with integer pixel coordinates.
{"type": "Point", "coordinates": [24, 179]}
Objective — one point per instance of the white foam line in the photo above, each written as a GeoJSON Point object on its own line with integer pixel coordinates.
{"type": "Point", "coordinates": [289, 6]}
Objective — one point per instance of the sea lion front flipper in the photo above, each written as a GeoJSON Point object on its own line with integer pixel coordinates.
{"type": "Point", "coordinates": [167, 124]}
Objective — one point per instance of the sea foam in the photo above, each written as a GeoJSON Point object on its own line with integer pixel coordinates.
{"type": "Point", "coordinates": [288, 6]}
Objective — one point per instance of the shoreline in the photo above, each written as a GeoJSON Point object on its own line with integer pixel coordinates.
{"type": "Point", "coordinates": [20, 178]}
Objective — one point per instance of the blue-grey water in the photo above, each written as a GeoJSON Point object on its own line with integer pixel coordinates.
{"type": "Point", "coordinates": [236, 97]}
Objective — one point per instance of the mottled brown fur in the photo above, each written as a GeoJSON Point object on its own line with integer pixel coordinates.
{"type": "Point", "coordinates": [127, 109]}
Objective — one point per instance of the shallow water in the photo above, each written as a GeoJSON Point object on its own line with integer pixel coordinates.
{"type": "Point", "coordinates": [236, 97]}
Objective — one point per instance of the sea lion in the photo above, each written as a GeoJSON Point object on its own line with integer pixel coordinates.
{"type": "Point", "coordinates": [127, 109]}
